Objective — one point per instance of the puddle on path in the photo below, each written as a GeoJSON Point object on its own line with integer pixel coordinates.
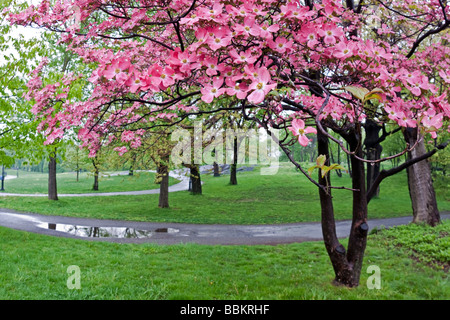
{"type": "Point", "coordinates": [105, 232]}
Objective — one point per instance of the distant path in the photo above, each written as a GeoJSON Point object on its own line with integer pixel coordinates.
{"type": "Point", "coordinates": [172, 233]}
{"type": "Point", "coordinates": [183, 185]}
{"type": "Point", "coordinates": [178, 174]}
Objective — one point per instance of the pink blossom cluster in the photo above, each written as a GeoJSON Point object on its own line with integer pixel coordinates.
{"type": "Point", "coordinates": [159, 59]}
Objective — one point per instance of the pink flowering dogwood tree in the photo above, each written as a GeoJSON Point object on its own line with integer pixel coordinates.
{"type": "Point", "coordinates": [309, 67]}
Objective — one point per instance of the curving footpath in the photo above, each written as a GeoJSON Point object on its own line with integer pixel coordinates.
{"type": "Point", "coordinates": [183, 185]}
{"type": "Point", "coordinates": [173, 233]}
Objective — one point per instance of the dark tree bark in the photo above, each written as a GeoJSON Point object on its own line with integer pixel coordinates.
{"type": "Point", "coordinates": [196, 182]}
{"type": "Point", "coordinates": [358, 233]}
{"type": "Point", "coordinates": [78, 166]}
{"type": "Point", "coordinates": [335, 249]}
{"type": "Point", "coordinates": [95, 186]}
{"type": "Point", "coordinates": [373, 151]}
{"type": "Point", "coordinates": [157, 176]}
{"type": "Point", "coordinates": [349, 163]}
{"type": "Point", "coordinates": [96, 173]}
{"type": "Point", "coordinates": [338, 172]}
{"type": "Point", "coordinates": [216, 170]}
{"type": "Point", "coordinates": [420, 183]}
{"type": "Point", "coordinates": [347, 265]}
{"type": "Point", "coordinates": [163, 173]}
{"type": "Point", "coordinates": [52, 187]}
{"type": "Point", "coordinates": [233, 167]}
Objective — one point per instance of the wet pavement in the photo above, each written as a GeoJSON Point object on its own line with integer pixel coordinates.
{"type": "Point", "coordinates": [172, 233]}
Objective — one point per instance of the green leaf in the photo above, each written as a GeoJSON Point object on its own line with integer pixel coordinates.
{"type": "Point", "coordinates": [320, 161]}
{"type": "Point", "coordinates": [363, 94]}
{"type": "Point", "coordinates": [358, 92]}
{"type": "Point", "coordinates": [376, 93]}
{"type": "Point", "coordinates": [320, 164]}
{"type": "Point", "coordinates": [334, 166]}
{"type": "Point", "coordinates": [310, 170]}
{"type": "Point", "coordinates": [324, 170]}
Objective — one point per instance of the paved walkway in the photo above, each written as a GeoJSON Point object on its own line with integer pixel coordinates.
{"type": "Point", "coordinates": [183, 185]}
{"type": "Point", "coordinates": [172, 233]}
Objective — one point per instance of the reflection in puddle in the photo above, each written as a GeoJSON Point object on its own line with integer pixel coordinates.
{"type": "Point", "coordinates": [105, 232]}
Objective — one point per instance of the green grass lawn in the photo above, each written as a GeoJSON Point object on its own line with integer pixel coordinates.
{"type": "Point", "coordinates": [414, 260]}
{"type": "Point", "coordinates": [257, 199]}
{"type": "Point", "coordinates": [32, 182]}
{"type": "Point", "coordinates": [35, 266]}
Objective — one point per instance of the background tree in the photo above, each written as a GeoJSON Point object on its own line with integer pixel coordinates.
{"type": "Point", "coordinates": [236, 124]}
{"type": "Point", "coordinates": [75, 159]}
{"type": "Point", "coordinates": [162, 147]}
{"type": "Point", "coordinates": [20, 137]}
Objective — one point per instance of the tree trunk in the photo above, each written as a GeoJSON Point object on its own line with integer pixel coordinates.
{"type": "Point", "coordinates": [157, 175]}
{"type": "Point", "coordinates": [95, 186]}
{"type": "Point", "coordinates": [373, 152]}
{"type": "Point", "coordinates": [335, 249]}
{"type": "Point", "coordinates": [216, 170]}
{"type": "Point", "coordinates": [96, 173]}
{"type": "Point", "coordinates": [349, 163]}
{"type": "Point", "coordinates": [52, 187]}
{"type": "Point", "coordinates": [78, 166]}
{"type": "Point", "coordinates": [233, 167]}
{"type": "Point", "coordinates": [347, 265]}
{"type": "Point", "coordinates": [338, 172]}
{"type": "Point", "coordinates": [339, 160]}
{"type": "Point", "coordinates": [358, 233]}
{"type": "Point", "coordinates": [420, 183]}
{"type": "Point", "coordinates": [163, 186]}
{"type": "Point", "coordinates": [196, 186]}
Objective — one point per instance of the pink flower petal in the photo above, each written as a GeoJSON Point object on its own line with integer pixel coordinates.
{"type": "Point", "coordinates": [303, 140]}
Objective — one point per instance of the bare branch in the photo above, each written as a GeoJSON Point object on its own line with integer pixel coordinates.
{"type": "Point", "coordinates": [416, 44]}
